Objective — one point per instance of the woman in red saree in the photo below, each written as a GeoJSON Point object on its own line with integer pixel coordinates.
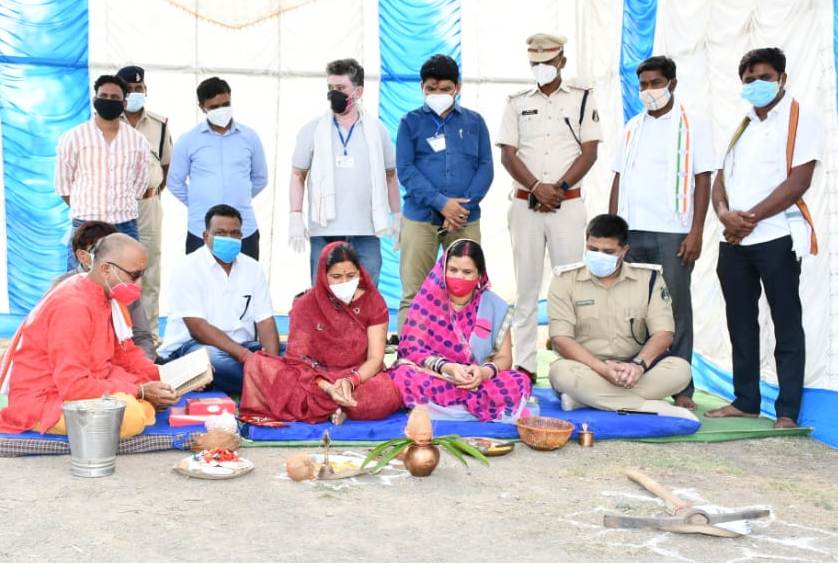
{"type": "Point", "coordinates": [335, 355]}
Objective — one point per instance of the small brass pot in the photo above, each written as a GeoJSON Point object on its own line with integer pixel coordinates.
{"type": "Point", "coordinates": [421, 459]}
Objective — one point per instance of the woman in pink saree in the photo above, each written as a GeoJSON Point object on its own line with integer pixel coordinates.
{"type": "Point", "coordinates": [455, 350]}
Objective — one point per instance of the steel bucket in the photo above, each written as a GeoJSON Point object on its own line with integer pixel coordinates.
{"type": "Point", "coordinates": [93, 429]}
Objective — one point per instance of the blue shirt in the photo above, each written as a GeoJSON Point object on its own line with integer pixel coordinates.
{"type": "Point", "coordinates": [463, 169]}
{"type": "Point", "coordinates": [228, 168]}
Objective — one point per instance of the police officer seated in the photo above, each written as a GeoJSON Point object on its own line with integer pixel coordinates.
{"type": "Point", "coordinates": [611, 322]}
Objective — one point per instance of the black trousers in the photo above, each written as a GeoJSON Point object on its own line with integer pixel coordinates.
{"type": "Point", "coordinates": [250, 245]}
{"type": "Point", "coordinates": [662, 248]}
{"type": "Point", "coordinates": [743, 271]}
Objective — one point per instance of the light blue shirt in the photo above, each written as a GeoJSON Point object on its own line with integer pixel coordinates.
{"type": "Point", "coordinates": [228, 168]}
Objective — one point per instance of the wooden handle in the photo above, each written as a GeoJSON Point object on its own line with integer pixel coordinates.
{"type": "Point", "coordinates": [674, 505]}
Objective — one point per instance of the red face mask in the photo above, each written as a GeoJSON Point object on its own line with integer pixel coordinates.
{"type": "Point", "coordinates": [126, 293]}
{"type": "Point", "coordinates": [458, 287]}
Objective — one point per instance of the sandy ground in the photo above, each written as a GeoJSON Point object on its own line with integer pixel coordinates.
{"type": "Point", "coordinates": [527, 506]}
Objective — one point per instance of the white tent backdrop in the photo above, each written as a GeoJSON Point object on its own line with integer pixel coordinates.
{"type": "Point", "coordinates": [273, 55]}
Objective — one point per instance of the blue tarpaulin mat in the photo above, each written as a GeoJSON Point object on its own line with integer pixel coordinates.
{"type": "Point", "coordinates": [605, 425]}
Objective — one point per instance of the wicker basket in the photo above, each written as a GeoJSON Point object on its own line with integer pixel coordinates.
{"type": "Point", "coordinates": [543, 432]}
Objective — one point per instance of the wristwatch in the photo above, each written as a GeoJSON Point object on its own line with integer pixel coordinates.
{"type": "Point", "coordinates": [640, 362]}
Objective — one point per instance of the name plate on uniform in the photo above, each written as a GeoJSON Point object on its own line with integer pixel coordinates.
{"type": "Point", "coordinates": [529, 112]}
{"type": "Point", "coordinates": [344, 161]}
{"type": "Point", "coordinates": [584, 302]}
{"type": "Point", "coordinates": [437, 143]}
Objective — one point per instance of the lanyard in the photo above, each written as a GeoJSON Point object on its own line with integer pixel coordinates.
{"type": "Point", "coordinates": [343, 141]}
{"type": "Point", "coordinates": [440, 124]}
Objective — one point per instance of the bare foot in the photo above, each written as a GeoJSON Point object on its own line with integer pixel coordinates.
{"type": "Point", "coordinates": [785, 422]}
{"type": "Point", "coordinates": [729, 410]}
{"type": "Point", "coordinates": [685, 402]}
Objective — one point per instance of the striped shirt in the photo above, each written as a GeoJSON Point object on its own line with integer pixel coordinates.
{"type": "Point", "coordinates": [103, 181]}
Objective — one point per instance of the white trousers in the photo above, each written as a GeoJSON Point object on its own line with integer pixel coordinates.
{"type": "Point", "coordinates": [563, 234]}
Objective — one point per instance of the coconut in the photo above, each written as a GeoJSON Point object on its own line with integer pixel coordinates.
{"type": "Point", "coordinates": [301, 467]}
{"type": "Point", "coordinates": [419, 428]}
{"type": "Point", "coordinates": [217, 439]}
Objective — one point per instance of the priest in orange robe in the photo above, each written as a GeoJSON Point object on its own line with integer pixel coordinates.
{"type": "Point", "coordinates": [76, 344]}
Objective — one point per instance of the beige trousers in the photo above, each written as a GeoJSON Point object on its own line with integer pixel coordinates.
{"type": "Point", "coordinates": [582, 383]}
{"type": "Point", "coordinates": [563, 235]}
{"type": "Point", "coordinates": [150, 224]}
{"type": "Point", "coordinates": [420, 246]}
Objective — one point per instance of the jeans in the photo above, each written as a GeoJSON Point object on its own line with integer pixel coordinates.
{"type": "Point", "coordinates": [250, 245]}
{"type": "Point", "coordinates": [662, 248]}
{"type": "Point", "coordinates": [743, 271]}
{"type": "Point", "coordinates": [128, 227]}
{"type": "Point", "coordinates": [368, 248]}
{"type": "Point", "coordinates": [227, 370]}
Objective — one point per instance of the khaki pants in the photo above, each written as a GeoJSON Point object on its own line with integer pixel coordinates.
{"type": "Point", "coordinates": [582, 383]}
{"type": "Point", "coordinates": [150, 224]}
{"type": "Point", "coordinates": [419, 248]}
{"type": "Point", "coordinates": [563, 234]}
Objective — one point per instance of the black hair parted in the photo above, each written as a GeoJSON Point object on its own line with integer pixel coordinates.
{"type": "Point", "coordinates": [343, 252]}
{"type": "Point", "coordinates": [470, 248]}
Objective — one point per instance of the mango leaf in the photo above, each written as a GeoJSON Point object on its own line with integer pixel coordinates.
{"type": "Point", "coordinates": [445, 443]}
{"type": "Point", "coordinates": [377, 451]}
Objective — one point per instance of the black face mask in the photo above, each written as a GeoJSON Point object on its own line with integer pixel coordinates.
{"type": "Point", "coordinates": [108, 109]}
{"type": "Point", "coordinates": [338, 100]}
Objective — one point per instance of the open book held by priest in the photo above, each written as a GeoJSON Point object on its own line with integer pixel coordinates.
{"type": "Point", "coordinates": [188, 373]}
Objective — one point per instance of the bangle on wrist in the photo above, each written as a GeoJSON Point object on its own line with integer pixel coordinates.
{"type": "Point", "coordinates": [492, 367]}
{"type": "Point", "coordinates": [534, 184]}
{"type": "Point", "coordinates": [142, 392]}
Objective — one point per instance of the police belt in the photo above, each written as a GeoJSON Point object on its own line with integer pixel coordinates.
{"type": "Point", "coordinates": [569, 194]}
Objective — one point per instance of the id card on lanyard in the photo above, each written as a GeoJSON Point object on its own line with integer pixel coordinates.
{"type": "Point", "coordinates": [437, 141]}
{"type": "Point", "coordinates": [344, 160]}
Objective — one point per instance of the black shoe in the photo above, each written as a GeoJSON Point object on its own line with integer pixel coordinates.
{"type": "Point", "coordinates": [533, 377]}
{"type": "Point", "coordinates": [393, 340]}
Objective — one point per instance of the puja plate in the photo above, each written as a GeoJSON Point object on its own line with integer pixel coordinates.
{"type": "Point", "coordinates": [192, 467]}
{"type": "Point", "coordinates": [491, 447]}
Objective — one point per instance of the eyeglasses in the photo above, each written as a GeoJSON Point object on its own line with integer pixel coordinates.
{"type": "Point", "coordinates": [133, 275]}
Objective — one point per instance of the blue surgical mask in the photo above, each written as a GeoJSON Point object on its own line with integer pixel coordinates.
{"type": "Point", "coordinates": [760, 93]}
{"type": "Point", "coordinates": [134, 102]}
{"type": "Point", "coordinates": [601, 265]}
{"type": "Point", "coordinates": [226, 248]}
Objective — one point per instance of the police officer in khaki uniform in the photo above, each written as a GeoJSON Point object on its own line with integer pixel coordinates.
{"type": "Point", "coordinates": [150, 222]}
{"type": "Point", "coordinates": [548, 140]}
{"type": "Point", "coordinates": [611, 322]}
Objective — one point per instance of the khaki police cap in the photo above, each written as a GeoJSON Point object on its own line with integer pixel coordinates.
{"type": "Point", "coordinates": [543, 47]}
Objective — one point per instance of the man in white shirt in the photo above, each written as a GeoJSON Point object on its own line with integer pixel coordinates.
{"type": "Point", "coordinates": [661, 187]}
{"type": "Point", "coordinates": [219, 298]}
{"type": "Point", "coordinates": [767, 231]}
{"type": "Point", "coordinates": [348, 160]}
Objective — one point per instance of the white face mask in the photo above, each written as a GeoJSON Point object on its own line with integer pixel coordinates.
{"type": "Point", "coordinates": [544, 74]}
{"type": "Point", "coordinates": [134, 102]}
{"type": "Point", "coordinates": [220, 117]}
{"type": "Point", "coordinates": [345, 291]}
{"type": "Point", "coordinates": [439, 102]}
{"type": "Point", "coordinates": [655, 99]}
